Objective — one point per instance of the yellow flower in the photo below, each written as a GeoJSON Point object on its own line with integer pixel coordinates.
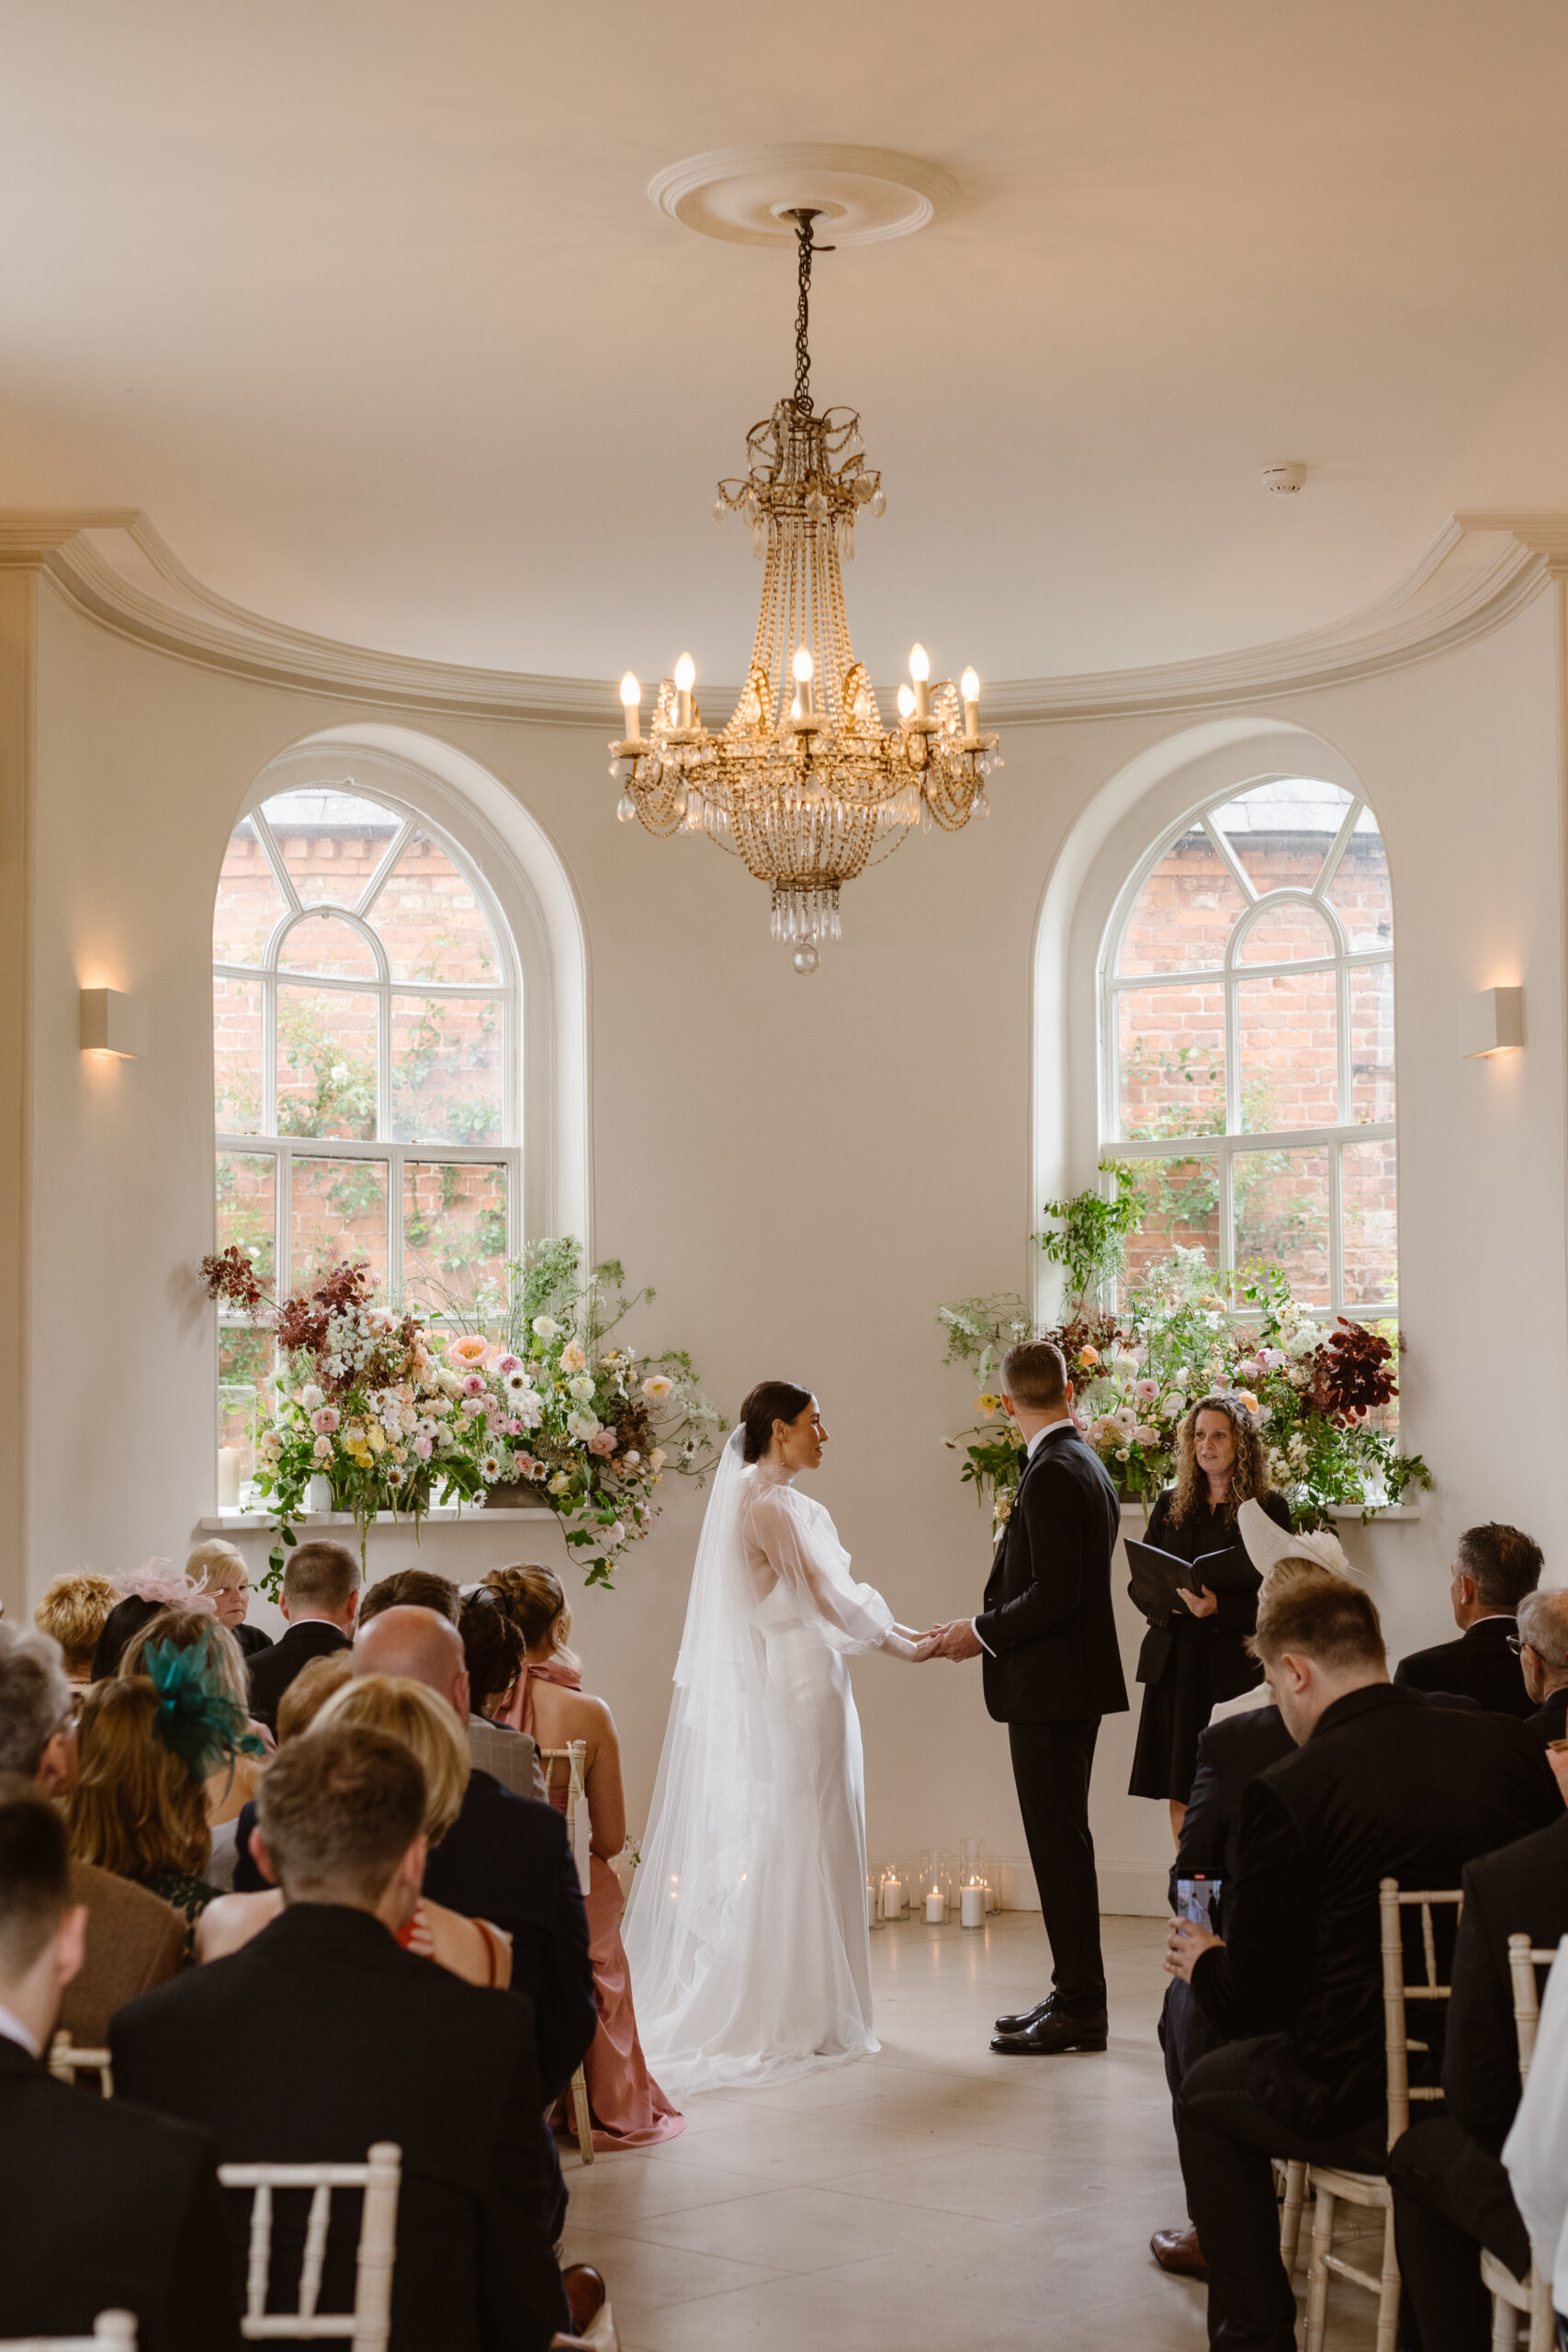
{"type": "Point", "coordinates": [376, 1438]}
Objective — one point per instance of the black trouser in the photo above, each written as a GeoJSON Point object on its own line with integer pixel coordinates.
{"type": "Point", "coordinates": [1050, 1765]}
{"type": "Point", "coordinates": [1452, 2197]}
{"type": "Point", "coordinates": [1227, 2140]}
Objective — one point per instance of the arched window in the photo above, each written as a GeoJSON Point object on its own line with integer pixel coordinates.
{"type": "Point", "coordinates": [1246, 998]}
{"type": "Point", "coordinates": [365, 1060]}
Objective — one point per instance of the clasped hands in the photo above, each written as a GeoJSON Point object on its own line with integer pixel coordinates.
{"type": "Point", "coordinates": [955, 1641]}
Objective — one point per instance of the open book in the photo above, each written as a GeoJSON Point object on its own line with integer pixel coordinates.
{"type": "Point", "coordinates": [1157, 1575]}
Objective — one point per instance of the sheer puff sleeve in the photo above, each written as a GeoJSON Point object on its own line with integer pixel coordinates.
{"type": "Point", "coordinates": [794, 1551]}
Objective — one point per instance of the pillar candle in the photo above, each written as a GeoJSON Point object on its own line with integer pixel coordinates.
{"type": "Point", "coordinates": [227, 1477]}
{"type": "Point", "coordinates": [936, 1910]}
{"type": "Point", "coordinates": [973, 1906]}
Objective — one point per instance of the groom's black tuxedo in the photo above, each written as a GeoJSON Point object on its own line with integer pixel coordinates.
{"type": "Point", "coordinates": [1048, 1627]}
{"type": "Point", "coordinates": [1053, 1667]}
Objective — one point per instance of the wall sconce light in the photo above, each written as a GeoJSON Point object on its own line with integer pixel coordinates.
{"type": "Point", "coordinates": [113, 1023]}
{"type": "Point", "coordinates": [1492, 1022]}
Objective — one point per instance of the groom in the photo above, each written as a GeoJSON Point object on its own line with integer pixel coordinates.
{"type": "Point", "coordinates": [1053, 1667]}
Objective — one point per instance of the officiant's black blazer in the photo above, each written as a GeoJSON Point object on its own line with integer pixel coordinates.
{"type": "Point", "coordinates": [1047, 1623]}
{"type": "Point", "coordinates": [320, 2037]}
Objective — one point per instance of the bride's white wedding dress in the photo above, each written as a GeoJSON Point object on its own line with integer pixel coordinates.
{"type": "Point", "coordinates": [746, 1929]}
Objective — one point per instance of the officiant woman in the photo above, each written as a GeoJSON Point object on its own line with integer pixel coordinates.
{"type": "Point", "coordinates": [1197, 1655]}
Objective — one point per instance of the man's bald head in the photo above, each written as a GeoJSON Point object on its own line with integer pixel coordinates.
{"type": "Point", "coordinates": [419, 1644]}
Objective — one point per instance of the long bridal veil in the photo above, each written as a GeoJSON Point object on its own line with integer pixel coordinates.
{"type": "Point", "coordinates": [709, 1800]}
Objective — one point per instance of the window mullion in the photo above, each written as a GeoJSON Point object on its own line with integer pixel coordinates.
{"type": "Point", "coordinates": [1335, 1230]}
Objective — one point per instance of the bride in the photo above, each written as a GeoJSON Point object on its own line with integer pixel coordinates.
{"type": "Point", "coordinates": [746, 1929]}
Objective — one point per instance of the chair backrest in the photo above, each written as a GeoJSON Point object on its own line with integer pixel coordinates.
{"type": "Point", "coordinates": [574, 1756]}
{"type": "Point", "coordinates": [368, 2325]}
{"type": "Point", "coordinates": [1393, 1900]}
{"type": "Point", "coordinates": [114, 2330]}
{"type": "Point", "coordinates": [1524, 1958]}
{"type": "Point", "coordinates": [65, 2063]}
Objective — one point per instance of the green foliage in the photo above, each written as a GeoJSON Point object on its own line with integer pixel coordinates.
{"type": "Point", "coordinates": [1091, 1245]}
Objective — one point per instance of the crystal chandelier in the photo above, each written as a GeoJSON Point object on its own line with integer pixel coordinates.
{"type": "Point", "coordinates": [804, 784]}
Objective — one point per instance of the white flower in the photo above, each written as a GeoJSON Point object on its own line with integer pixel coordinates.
{"type": "Point", "coordinates": [490, 1468]}
{"type": "Point", "coordinates": [528, 1411]}
{"type": "Point", "coordinates": [559, 1483]}
{"type": "Point", "coordinates": [657, 1386]}
{"type": "Point", "coordinates": [631, 1457]}
{"type": "Point", "coordinates": [581, 1426]}
{"type": "Point", "coordinates": [517, 1383]}
{"type": "Point", "coordinates": [1122, 1454]}
{"type": "Point", "coordinates": [657, 1459]}
{"type": "Point", "coordinates": [312, 1398]}
{"type": "Point", "coordinates": [572, 1358]}
{"type": "Point", "coordinates": [615, 1535]}
{"type": "Point", "coordinates": [323, 1450]}
{"type": "Point", "coordinates": [582, 1388]}
{"type": "Point", "coordinates": [545, 1327]}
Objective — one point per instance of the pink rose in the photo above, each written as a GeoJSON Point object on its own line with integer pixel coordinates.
{"type": "Point", "coordinates": [1143, 1435]}
{"type": "Point", "coordinates": [504, 1364]}
{"type": "Point", "coordinates": [605, 1442]}
{"type": "Point", "coordinates": [474, 1384]}
{"type": "Point", "coordinates": [1146, 1390]}
{"type": "Point", "coordinates": [422, 1446]}
{"type": "Point", "coordinates": [324, 1421]}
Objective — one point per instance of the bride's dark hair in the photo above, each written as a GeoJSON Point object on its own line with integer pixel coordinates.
{"type": "Point", "coordinates": [769, 1401]}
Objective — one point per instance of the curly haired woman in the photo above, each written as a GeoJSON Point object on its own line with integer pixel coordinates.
{"type": "Point", "coordinates": [1198, 1656]}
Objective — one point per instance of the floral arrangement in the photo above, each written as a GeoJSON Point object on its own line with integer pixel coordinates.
{"type": "Point", "coordinates": [1321, 1399]}
{"type": "Point", "coordinates": [396, 1414]}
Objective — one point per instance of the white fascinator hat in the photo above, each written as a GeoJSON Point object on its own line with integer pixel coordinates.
{"type": "Point", "coordinates": [1266, 1544]}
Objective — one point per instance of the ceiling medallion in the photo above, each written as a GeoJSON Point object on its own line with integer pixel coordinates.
{"type": "Point", "coordinates": [804, 784]}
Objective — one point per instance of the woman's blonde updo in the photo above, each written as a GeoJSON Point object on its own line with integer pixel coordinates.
{"type": "Point", "coordinates": [1249, 1473]}
{"type": "Point", "coordinates": [536, 1599]}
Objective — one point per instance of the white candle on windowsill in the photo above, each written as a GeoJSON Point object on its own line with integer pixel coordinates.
{"type": "Point", "coordinates": [892, 1896]}
{"type": "Point", "coordinates": [936, 1910]}
{"type": "Point", "coordinates": [227, 1477]}
{"type": "Point", "coordinates": [973, 1907]}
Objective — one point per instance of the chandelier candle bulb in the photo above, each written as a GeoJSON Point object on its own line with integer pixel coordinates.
{"type": "Point", "coordinates": [969, 688]}
{"type": "Point", "coordinates": [920, 671]}
{"type": "Point", "coordinates": [905, 704]}
{"type": "Point", "coordinates": [685, 679]}
{"type": "Point", "coordinates": [805, 708]}
{"type": "Point", "coordinates": [631, 697]}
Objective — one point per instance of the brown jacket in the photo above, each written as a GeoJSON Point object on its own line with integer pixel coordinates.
{"type": "Point", "coordinates": [134, 1941]}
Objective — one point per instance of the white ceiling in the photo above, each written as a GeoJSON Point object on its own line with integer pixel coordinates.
{"type": "Point", "coordinates": [364, 301]}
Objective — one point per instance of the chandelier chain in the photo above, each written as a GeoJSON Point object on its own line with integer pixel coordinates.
{"type": "Point", "coordinates": [802, 315]}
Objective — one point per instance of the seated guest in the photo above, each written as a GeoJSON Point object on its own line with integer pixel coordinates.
{"type": "Point", "coordinates": [409, 1589]}
{"type": "Point", "coordinates": [146, 1746]}
{"type": "Point", "coordinates": [1536, 2152]}
{"type": "Point", "coordinates": [321, 1596]}
{"type": "Point", "coordinates": [153, 1586]}
{"type": "Point", "coordinates": [103, 2206]}
{"type": "Point", "coordinates": [503, 1859]}
{"type": "Point", "coordinates": [1543, 1660]}
{"type": "Point", "coordinates": [1495, 1566]}
{"type": "Point", "coordinates": [628, 2107]}
{"type": "Point", "coordinates": [321, 2036]}
{"type": "Point", "coordinates": [494, 1649]}
{"type": "Point", "coordinates": [219, 1569]}
{"type": "Point", "coordinates": [309, 1694]}
{"type": "Point", "coordinates": [1381, 1785]}
{"type": "Point", "coordinates": [73, 1612]}
{"type": "Point", "coordinates": [471, 1949]}
{"type": "Point", "coordinates": [1450, 2192]}
{"type": "Point", "coordinates": [134, 1940]}
{"type": "Point", "coordinates": [232, 1780]}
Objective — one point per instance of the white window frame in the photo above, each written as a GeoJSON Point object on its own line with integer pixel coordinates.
{"type": "Point", "coordinates": [507, 991]}
{"type": "Point", "coordinates": [1222, 1148]}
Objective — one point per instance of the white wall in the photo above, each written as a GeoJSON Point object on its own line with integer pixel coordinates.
{"type": "Point", "coordinates": [803, 1167]}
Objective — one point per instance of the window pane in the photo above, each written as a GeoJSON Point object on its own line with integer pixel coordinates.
{"type": "Point", "coordinates": [1359, 893]}
{"type": "Point", "coordinates": [430, 922]}
{"type": "Point", "coordinates": [1371, 1044]}
{"type": "Point", "coordinates": [327, 943]}
{"type": "Point", "coordinates": [1290, 1061]}
{"type": "Point", "coordinates": [1183, 914]}
{"type": "Point", "coordinates": [1282, 1218]}
{"type": "Point", "coordinates": [454, 1235]}
{"type": "Point", "coordinates": [1181, 1201]}
{"type": "Point", "coordinates": [1171, 1060]}
{"type": "Point", "coordinates": [1283, 830]}
{"type": "Point", "coordinates": [241, 1372]}
{"type": "Point", "coordinates": [250, 904]}
{"type": "Point", "coordinates": [237, 1056]}
{"type": "Point", "coordinates": [447, 1073]}
{"type": "Point", "coordinates": [326, 1062]}
{"type": "Point", "coordinates": [1370, 1200]}
{"type": "Point", "coordinates": [247, 1196]}
{"type": "Point", "coordinates": [331, 841]}
{"type": "Point", "coordinates": [338, 1211]}
{"type": "Point", "coordinates": [1291, 931]}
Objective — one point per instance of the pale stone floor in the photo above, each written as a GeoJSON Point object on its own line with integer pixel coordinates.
{"type": "Point", "coordinates": [933, 2196]}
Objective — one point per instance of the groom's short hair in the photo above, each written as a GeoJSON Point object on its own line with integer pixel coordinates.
{"type": "Point", "coordinates": [1034, 1374]}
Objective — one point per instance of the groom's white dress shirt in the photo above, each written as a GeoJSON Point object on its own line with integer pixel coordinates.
{"type": "Point", "coordinates": [1030, 1450]}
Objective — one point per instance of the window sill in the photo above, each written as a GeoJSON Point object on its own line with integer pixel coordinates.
{"type": "Point", "coordinates": [225, 1523]}
{"type": "Point", "coordinates": [1351, 1511]}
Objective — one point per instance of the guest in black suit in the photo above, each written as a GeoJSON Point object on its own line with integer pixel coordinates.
{"type": "Point", "coordinates": [1197, 1655]}
{"type": "Point", "coordinates": [1494, 1568]}
{"type": "Point", "coordinates": [505, 1859]}
{"type": "Point", "coordinates": [219, 1569]}
{"type": "Point", "coordinates": [1382, 1785]}
{"type": "Point", "coordinates": [321, 2036]}
{"type": "Point", "coordinates": [1053, 1667]}
{"type": "Point", "coordinates": [1451, 2194]}
{"type": "Point", "coordinates": [1543, 1659]}
{"type": "Point", "coordinates": [320, 1597]}
{"type": "Point", "coordinates": [103, 2207]}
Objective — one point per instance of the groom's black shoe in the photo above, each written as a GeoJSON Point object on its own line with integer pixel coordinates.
{"type": "Point", "coordinates": [1051, 2031]}
{"type": "Point", "coordinates": [1026, 2017]}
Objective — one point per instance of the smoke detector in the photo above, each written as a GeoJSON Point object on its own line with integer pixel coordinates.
{"type": "Point", "coordinates": [1282, 482]}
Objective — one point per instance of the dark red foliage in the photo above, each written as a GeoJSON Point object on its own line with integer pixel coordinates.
{"type": "Point", "coordinates": [232, 1276]}
{"type": "Point", "coordinates": [304, 1320]}
{"type": "Point", "coordinates": [1352, 1374]}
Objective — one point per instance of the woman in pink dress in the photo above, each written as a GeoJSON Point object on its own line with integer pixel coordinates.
{"type": "Point", "coordinates": [628, 2107]}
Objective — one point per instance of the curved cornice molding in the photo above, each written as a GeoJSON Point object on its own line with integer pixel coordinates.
{"type": "Point", "coordinates": [110, 563]}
